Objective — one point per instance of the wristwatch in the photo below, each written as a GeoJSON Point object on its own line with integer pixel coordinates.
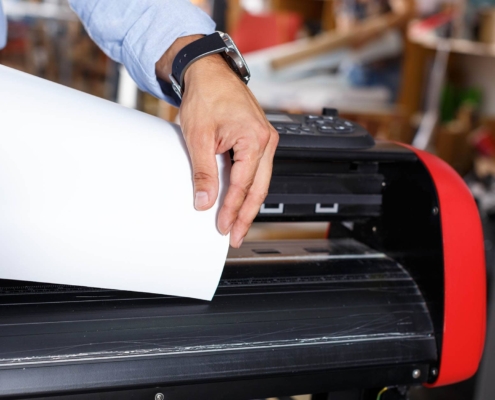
{"type": "Point", "coordinates": [216, 43]}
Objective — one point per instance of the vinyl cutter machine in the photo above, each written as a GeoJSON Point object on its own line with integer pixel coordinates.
{"type": "Point", "coordinates": [394, 297]}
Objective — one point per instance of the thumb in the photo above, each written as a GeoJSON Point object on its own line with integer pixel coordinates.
{"type": "Point", "coordinates": [205, 176]}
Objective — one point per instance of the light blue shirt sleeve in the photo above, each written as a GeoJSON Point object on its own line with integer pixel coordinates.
{"type": "Point", "coordinates": [137, 33]}
{"type": "Point", "coordinates": [3, 27]}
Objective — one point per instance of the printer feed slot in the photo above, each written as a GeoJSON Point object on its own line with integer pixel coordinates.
{"type": "Point", "coordinates": [272, 208]}
{"type": "Point", "coordinates": [327, 208]}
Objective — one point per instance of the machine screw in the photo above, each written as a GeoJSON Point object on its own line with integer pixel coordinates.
{"type": "Point", "coordinates": [373, 229]}
{"type": "Point", "coordinates": [435, 210]}
{"type": "Point", "coordinates": [159, 396]}
{"type": "Point", "coordinates": [434, 372]}
{"type": "Point", "coordinates": [416, 373]}
{"type": "Point", "coordinates": [384, 184]}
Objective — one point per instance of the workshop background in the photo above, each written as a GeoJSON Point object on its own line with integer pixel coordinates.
{"type": "Point", "coordinates": [420, 72]}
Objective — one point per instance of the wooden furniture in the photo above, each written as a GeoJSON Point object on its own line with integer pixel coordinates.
{"type": "Point", "coordinates": [466, 57]}
{"type": "Point", "coordinates": [332, 40]}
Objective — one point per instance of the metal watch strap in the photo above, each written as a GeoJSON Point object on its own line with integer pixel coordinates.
{"type": "Point", "coordinates": [211, 44]}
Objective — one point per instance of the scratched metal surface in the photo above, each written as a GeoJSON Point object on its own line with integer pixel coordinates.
{"type": "Point", "coordinates": [280, 307]}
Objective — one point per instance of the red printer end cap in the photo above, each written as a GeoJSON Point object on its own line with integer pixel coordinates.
{"type": "Point", "coordinates": [464, 273]}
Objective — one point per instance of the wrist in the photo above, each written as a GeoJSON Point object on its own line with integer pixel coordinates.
{"type": "Point", "coordinates": [197, 60]}
{"type": "Point", "coordinates": [209, 68]}
{"type": "Point", "coordinates": [163, 67]}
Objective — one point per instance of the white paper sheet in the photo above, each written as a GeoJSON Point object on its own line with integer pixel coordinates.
{"type": "Point", "coordinates": [95, 194]}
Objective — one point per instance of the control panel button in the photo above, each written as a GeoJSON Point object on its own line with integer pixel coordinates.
{"type": "Point", "coordinates": [326, 128]}
{"type": "Point", "coordinates": [343, 128]}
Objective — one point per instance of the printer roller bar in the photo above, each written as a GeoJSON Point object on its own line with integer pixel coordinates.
{"type": "Point", "coordinates": [254, 252]}
{"type": "Point", "coordinates": [288, 250]}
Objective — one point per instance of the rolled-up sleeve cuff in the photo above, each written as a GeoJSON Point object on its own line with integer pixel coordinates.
{"type": "Point", "coordinates": [153, 33]}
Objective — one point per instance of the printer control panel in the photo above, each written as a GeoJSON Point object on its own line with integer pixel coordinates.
{"type": "Point", "coordinates": [322, 132]}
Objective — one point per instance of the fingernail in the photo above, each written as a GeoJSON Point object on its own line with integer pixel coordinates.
{"type": "Point", "coordinates": [240, 242]}
{"type": "Point", "coordinates": [200, 200]}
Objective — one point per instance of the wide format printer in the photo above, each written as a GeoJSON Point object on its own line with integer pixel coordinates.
{"type": "Point", "coordinates": [394, 297]}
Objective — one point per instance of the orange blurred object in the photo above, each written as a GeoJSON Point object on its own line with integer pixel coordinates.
{"type": "Point", "coordinates": [256, 32]}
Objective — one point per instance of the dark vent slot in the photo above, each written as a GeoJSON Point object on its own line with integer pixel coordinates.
{"type": "Point", "coordinates": [266, 251]}
{"type": "Point", "coordinates": [272, 206]}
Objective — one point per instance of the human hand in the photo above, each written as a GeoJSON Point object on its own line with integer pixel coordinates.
{"type": "Point", "coordinates": [219, 113]}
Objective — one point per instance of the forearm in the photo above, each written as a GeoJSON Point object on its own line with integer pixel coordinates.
{"type": "Point", "coordinates": [138, 33]}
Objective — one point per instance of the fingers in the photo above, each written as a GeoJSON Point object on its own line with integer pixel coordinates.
{"type": "Point", "coordinates": [204, 170]}
{"type": "Point", "coordinates": [256, 195]}
{"type": "Point", "coordinates": [248, 151]}
{"type": "Point", "coordinates": [241, 178]}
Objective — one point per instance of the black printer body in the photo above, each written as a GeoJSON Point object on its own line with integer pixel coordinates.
{"type": "Point", "coordinates": [372, 306]}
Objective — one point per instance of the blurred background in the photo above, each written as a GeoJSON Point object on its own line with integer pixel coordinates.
{"type": "Point", "coordinates": [416, 71]}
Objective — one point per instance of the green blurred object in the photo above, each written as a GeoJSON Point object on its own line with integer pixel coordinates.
{"type": "Point", "coordinates": [454, 97]}
{"type": "Point", "coordinates": [448, 103]}
{"type": "Point", "coordinates": [472, 96]}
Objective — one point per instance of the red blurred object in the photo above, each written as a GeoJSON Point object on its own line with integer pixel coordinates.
{"type": "Point", "coordinates": [17, 43]}
{"type": "Point", "coordinates": [484, 142]}
{"type": "Point", "coordinates": [465, 293]}
{"type": "Point", "coordinates": [256, 32]}
{"type": "Point", "coordinates": [434, 22]}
